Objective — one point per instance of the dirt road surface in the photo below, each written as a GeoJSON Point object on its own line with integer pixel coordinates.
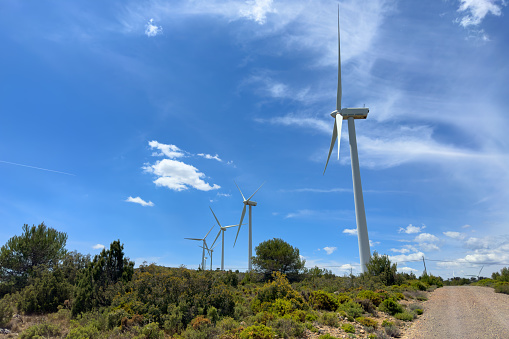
{"type": "Point", "coordinates": [468, 312]}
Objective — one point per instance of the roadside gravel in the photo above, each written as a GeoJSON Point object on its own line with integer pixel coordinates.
{"type": "Point", "coordinates": [468, 312]}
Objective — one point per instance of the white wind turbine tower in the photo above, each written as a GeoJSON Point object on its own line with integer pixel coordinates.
{"type": "Point", "coordinates": [204, 247]}
{"type": "Point", "coordinates": [221, 230]}
{"type": "Point", "coordinates": [351, 114]}
{"type": "Point", "coordinates": [211, 251]}
{"type": "Point", "coordinates": [247, 202]}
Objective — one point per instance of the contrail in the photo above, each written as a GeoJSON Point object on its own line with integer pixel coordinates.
{"type": "Point", "coordinates": [39, 168]}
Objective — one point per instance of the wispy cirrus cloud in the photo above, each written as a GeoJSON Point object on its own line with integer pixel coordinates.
{"type": "Point", "coordinates": [454, 235]}
{"type": "Point", "coordinates": [152, 30]}
{"type": "Point", "coordinates": [208, 156]}
{"type": "Point", "coordinates": [477, 10]}
{"type": "Point", "coordinates": [139, 201]}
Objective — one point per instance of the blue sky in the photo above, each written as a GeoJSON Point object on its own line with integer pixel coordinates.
{"type": "Point", "coordinates": [127, 120]}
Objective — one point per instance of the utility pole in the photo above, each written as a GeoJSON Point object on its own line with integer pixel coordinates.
{"type": "Point", "coordinates": [425, 271]}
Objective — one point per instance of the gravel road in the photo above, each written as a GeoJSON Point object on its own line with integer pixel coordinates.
{"type": "Point", "coordinates": [468, 312]}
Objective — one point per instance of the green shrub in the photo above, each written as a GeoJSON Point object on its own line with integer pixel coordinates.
{"type": "Point", "coordinates": [281, 307]}
{"type": "Point", "coordinates": [227, 324]}
{"type": "Point", "coordinates": [502, 288]}
{"type": "Point", "coordinates": [326, 336]}
{"type": "Point", "coordinates": [387, 323]}
{"type": "Point", "coordinates": [84, 332]}
{"type": "Point", "coordinates": [392, 331]}
{"type": "Point", "coordinates": [405, 316]}
{"type": "Point", "coordinates": [114, 317]}
{"type": "Point", "coordinates": [329, 319]}
{"type": "Point", "coordinates": [287, 327]}
{"type": "Point", "coordinates": [343, 298]}
{"type": "Point", "coordinates": [321, 300]}
{"type": "Point", "coordinates": [418, 285]}
{"type": "Point", "coordinates": [6, 310]}
{"type": "Point", "coordinates": [152, 331]}
{"type": "Point", "coordinates": [351, 308]}
{"type": "Point", "coordinates": [257, 332]}
{"type": "Point", "coordinates": [419, 311]}
{"type": "Point", "coordinates": [375, 298]}
{"type": "Point", "coordinates": [311, 316]}
{"type": "Point", "coordinates": [367, 322]}
{"type": "Point", "coordinates": [348, 328]}
{"type": "Point", "coordinates": [40, 331]}
{"type": "Point", "coordinates": [310, 327]}
{"type": "Point", "coordinates": [390, 306]}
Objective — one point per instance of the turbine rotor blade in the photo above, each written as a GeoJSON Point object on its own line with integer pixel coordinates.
{"type": "Point", "coordinates": [334, 136]}
{"type": "Point", "coordinates": [215, 216]}
{"type": "Point", "coordinates": [240, 223]}
{"type": "Point", "coordinates": [208, 233]}
{"type": "Point", "coordinates": [338, 124]}
{"type": "Point", "coordinates": [218, 233]}
{"type": "Point", "coordinates": [254, 194]}
{"type": "Point", "coordinates": [340, 92]}
{"type": "Point", "coordinates": [193, 239]}
{"type": "Point", "coordinates": [239, 190]}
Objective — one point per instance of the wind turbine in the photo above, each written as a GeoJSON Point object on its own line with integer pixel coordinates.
{"type": "Point", "coordinates": [211, 251]}
{"type": "Point", "coordinates": [204, 247]}
{"type": "Point", "coordinates": [351, 114]}
{"type": "Point", "coordinates": [221, 230]}
{"type": "Point", "coordinates": [247, 202]}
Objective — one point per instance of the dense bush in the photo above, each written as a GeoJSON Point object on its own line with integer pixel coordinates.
{"type": "Point", "coordinates": [380, 266]}
{"type": "Point", "coordinates": [351, 308]}
{"type": "Point", "coordinates": [391, 306]}
{"type": "Point", "coordinates": [348, 328]}
{"type": "Point", "coordinates": [431, 280]}
{"type": "Point", "coordinates": [40, 331]}
{"type": "Point", "coordinates": [405, 316]}
{"type": "Point", "coordinates": [257, 332]}
{"type": "Point", "coordinates": [368, 322]}
{"type": "Point", "coordinates": [321, 300]}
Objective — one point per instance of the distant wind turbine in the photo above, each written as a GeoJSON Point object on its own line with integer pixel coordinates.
{"type": "Point", "coordinates": [247, 202]}
{"type": "Point", "coordinates": [211, 251]}
{"type": "Point", "coordinates": [351, 114]}
{"type": "Point", "coordinates": [221, 230]}
{"type": "Point", "coordinates": [204, 247]}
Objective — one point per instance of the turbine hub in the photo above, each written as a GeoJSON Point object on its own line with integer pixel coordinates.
{"type": "Point", "coordinates": [333, 114]}
{"type": "Point", "coordinates": [250, 203]}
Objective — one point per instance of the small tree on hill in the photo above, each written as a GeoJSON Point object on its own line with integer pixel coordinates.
{"type": "Point", "coordinates": [107, 268]}
{"type": "Point", "coordinates": [20, 256]}
{"type": "Point", "coordinates": [380, 266]}
{"type": "Point", "coordinates": [276, 255]}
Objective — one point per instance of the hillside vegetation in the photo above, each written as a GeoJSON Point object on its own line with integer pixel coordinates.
{"type": "Point", "coordinates": [47, 291]}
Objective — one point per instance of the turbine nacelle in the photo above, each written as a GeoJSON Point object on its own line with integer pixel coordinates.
{"type": "Point", "coordinates": [356, 113]}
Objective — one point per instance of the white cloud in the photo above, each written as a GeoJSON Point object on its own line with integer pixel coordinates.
{"type": "Point", "coordinates": [410, 229]}
{"type": "Point", "coordinates": [330, 250]}
{"type": "Point", "coordinates": [479, 243]}
{"type": "Point", "coordinates": [466, 226]}
{"type": "Point", "coordinates": [140, 201]}
{"type": "Point", "coordinates": [151, 29]}
{"type": "Point", "coordinates": [257, 10]}
{"type": "Point", "coordinates": [454, 235]}
{"type": "Point", "coordinates": [98, 247]}
{"type": "Point", "coordinates": [174, 174]}
{"type": "Point", "coordinates": [208, 156]}
{"type": "Point", "coordinates": [428, 247]}
{"type": "Point", "coordinates": [373, 243]}
{"type": "Point", "coordinates": [407, 269]}
{"type": "Point", "coordinates": [478, 9]}
{"type": "Point", "coordinates": [350, 231]}
{"type": "Point", "coordinates": [426, 237]}
{"type": "Point", "coordinates": [178, 176]}
{"type": "Point", "coordinates": [171, 151]}
{"type": "Point", "coordinates": [407, 257]}
{"type": "Point", "coordinates": [223, 195]}
{"type": "Point", "coordinates": [400, 250]}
